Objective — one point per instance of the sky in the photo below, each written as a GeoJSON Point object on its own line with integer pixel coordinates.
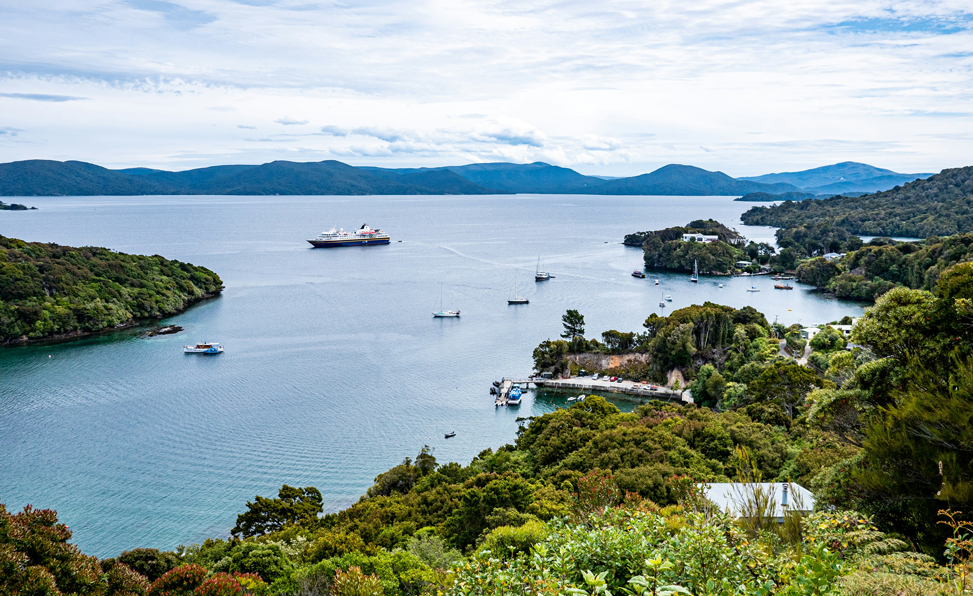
{"type": "Point", "coordinates": [606, 87]}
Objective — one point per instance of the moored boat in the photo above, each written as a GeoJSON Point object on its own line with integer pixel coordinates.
{"type": "Point", "coordinates": [204, 348]}
{"type": "Point", "coordinates": [695, 277]}
{"type": "Point", "coordinates": [360, 237]}
{"type": "Point", "coordinates": [541, 275]}
{"type": "Point", "coordinates": [638, 274]}
{"type": "Point", "coordinates": [515, 395]}
{"type": "Point", "coordinates": [450, 435]}
{"type": "Point", "coordinates": [783, 287]}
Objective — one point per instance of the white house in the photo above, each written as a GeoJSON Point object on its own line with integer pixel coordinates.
{"type": "Point", "coordinates": [833, 256]}
{"type": "Point", "coordinates": [809, 332]}
{"type": "Point", "coordinates": [732, 497]}
{"type": "Point", "coordinates": [699, 238]}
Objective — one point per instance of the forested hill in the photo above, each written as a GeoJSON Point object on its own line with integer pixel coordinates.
{"type": "Point", "coordinates": [74, 178]}
{"type": "Point", "coordinates": [941, 205]}
{"type": "Point", "coordinates": [49, 291]}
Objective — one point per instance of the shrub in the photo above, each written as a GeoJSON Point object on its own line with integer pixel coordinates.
{"type": "Point", "coordinates": [181, 581]}
{"type": "Point", "coordinates": [355, 583]}
{"type": "Point", "coordinates": [510, 541]}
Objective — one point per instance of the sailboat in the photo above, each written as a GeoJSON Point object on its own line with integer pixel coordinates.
{"type": "Point", "coordinates": [541, 275]}
{"type": "Point", "coordinates": [695, 277]}
{"type": "Point", "coordinates": [517, 299]}
{"type": "Point", "coordinates": [443, 314]}
{"type": "Point", "coordinates": [662, 302]}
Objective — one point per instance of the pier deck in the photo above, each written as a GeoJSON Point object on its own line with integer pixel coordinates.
{"type": "Point", "coordinates": [589, 385]}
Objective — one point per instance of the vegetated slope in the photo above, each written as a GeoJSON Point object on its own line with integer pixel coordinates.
{"type": "Point", "coordinates": [70, 178]}
{"type": "Point", "coordinates": [940, 205]}
{"type": "Point", "coordinates": [676, 179]}
{"type": "Point", "coordinates": [869, 271]}
{"type": "Point", "coordinates": [536, 177]}
{"type": "Point", "coordinates": [333, 178]}
{"type": "Point", "coordinates": [27, 178]}
{"type": "Point", "coordinates": [665, 249]}
{"type": "Point", "coordinates": [50, 290]}
{"type": "Point", "coordinates": [766, 197]}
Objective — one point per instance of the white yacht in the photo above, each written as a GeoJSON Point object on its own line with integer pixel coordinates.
{"type": "Point", "coordinates": [204, 348]}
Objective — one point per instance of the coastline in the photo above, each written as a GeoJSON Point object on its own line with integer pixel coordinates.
{"type": "Point", "coordinates": [60, 338]}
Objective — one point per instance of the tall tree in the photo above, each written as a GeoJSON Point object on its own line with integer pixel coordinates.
{"type": "Point", "coordinates": [573, 329]}
{"type": "Point", "coordinates": [292, 506]}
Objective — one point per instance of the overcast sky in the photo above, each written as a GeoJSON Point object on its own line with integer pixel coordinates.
{"type": "Point", "coordinates": [606, 87]}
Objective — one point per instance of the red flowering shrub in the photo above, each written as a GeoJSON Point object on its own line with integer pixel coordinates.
{"type": "Point", "coordinates": [221, 584]}
{"type": "Point", "coordinates": [181, 581]}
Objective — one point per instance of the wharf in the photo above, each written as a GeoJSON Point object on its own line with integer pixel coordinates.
{"type": "Point", "coordinates": [592, 386]}
{"type": "Point", "coordinates": [589, 385]}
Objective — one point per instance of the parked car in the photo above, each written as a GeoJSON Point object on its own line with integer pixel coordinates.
{"type": "Point", "coordinates": [619, 380]}
{"type": "Point", "coordinates": [594, 377]}
{"type": "Point", "coordinates": [612, 380]}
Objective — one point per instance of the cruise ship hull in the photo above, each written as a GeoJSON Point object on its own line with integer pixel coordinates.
{"type": "Point", "coordinates": [348, 242]}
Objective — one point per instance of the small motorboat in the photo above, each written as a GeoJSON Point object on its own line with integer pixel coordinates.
{"type": "Point", "coordinates": [493, 390]}
{"type": "Point", "coordinates": [450, 435]}
{"type": "Point", "coordinates": [638, 274]}
{"type": "Point", "coordinates": [204, 348]}
{"type": "Point", "coordinates": [721, 285]}
{"type": "Point", "coordinates": [783, 287]}
{"type": "Point", "coordinates": [496, 383]}
{"type": "Point", "coordinates": [581, 398]}
{"type": "Point", "coordinates": [668, 298]}
{"type": "Point", "coordinates": [656, 282]}
{"type": "Point", "coordinates": [752, 289]}
{"type": "Point", "coordinates": [573, 398]}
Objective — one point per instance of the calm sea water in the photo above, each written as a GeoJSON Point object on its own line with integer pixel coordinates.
{"type": "Point", "coordinates": [334, 368]}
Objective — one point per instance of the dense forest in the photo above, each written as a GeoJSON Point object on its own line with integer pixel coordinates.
{"type": "Point", "coordinates": [869, 271]}
{"type": "Point", "coordinates": [665, 249]}
{"type": "Point", "coordinates": [940, 205]}
{"type": "Point", "coordinates": [766, 197]}
{"type": "Point", "coordinates": [47, 290]}
{"type": "Point", "coordinates": [590, 500]}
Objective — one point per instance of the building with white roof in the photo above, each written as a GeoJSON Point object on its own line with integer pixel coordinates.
{"type": "Point", "coordinates": [733, 497]}
{"type": "Point", "coordinates": [699, 238]}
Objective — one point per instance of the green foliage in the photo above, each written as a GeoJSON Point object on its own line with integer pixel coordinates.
{"type": "Point", "coordinates": [264, 559]}
{"type": "Point", "coordinates": [938, 205]}
{"type": "Point", "coordinates": [786, 383]}
{"type": "Point", "coordinates": [355, 583]}
{"type": "Point", "coordinates": [507, 541]}
{"type": "Point", "coordinates": [150, 562]}
{"type": "Point", "coordinates": [36, 559]}
{"type": "Point", "coordinates": [292, 506]}
{"type": "Point", "coordinates": [828, 339]}
{"type": "Point", "coordinates": [122, 581]}
{"type": "Point", "coordinates": [46, 289]}
{"type": "Point", "coordinates": [816, 239]}
{"type": "Point", "coordinates": [433, 551]}
{"type": "Point", "coordinates": [817, 272]}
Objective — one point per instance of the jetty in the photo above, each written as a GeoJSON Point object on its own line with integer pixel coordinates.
{"type": "Point", "coordinates": [644, 391]}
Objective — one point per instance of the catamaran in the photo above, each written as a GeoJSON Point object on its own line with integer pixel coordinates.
{"type": "Point", "coordinates": [444, 314]}
{"type": "Point", "coordinates": [695, 277]}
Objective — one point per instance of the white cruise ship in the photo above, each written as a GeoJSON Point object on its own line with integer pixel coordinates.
{"type": "Point", "coordinates": [362, 236]}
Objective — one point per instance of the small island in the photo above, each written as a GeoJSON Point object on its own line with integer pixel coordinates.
{"type": "Point", "coordinates": [714, 247]}
{"type": "Point", "coordinates": [52, 292]}
{"type": "Point", "coordinates": [15, 207]}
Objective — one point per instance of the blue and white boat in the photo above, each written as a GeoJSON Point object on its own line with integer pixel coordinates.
{"type": "Point", "coordinates": [360, 237]}
{"type": "Point", "coordinates": [204, 348]}
{"type": "Point", "coordinates": [515, 396]}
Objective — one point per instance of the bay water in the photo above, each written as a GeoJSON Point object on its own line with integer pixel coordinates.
{"type": "Point", "coordinates": [334, 369]}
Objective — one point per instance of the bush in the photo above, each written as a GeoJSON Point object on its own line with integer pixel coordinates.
{"type": "Point", "coordinates": [509, 541]}
{"type": "Point", "coordinates": [355, 583]}
{"type": "Point", "coordinates": [181, 581]}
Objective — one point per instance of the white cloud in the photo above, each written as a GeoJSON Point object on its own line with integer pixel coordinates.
{"type": "Point", "coordinates": [615, 87]}
{"type": "Point", "coordinates": [288, 121]}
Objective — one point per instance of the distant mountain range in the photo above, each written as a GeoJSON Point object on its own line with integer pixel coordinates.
{"type": "Point", "coordinates": [847, 176]}
{"type": "Point", "coordinates": [75, 178]}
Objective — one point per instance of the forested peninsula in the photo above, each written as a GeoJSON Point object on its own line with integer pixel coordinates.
{"type": "Point", "coordinates": [940, 205]}
{"type": "Point", "coordinates": [48, 291]}
{"type": "Point", "coordinates": [590, 500]}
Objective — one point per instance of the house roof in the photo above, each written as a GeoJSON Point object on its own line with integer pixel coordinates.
{"type": "Point", "coordinates": [730, 496]}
